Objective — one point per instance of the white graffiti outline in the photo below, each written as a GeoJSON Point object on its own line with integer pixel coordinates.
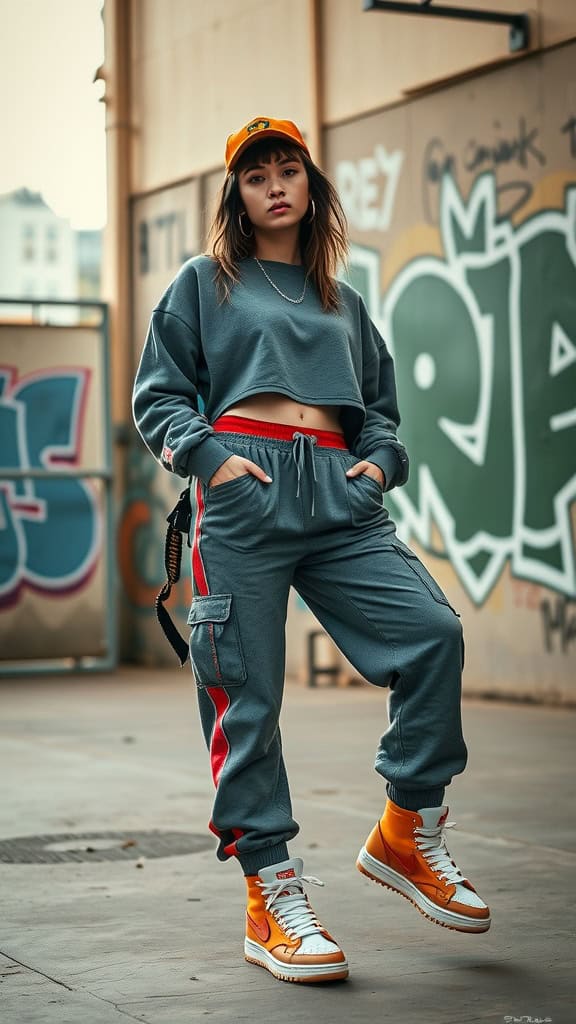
{"type": "Point", "coordinates": [27, 504]}
{"type": "Point", "coordinates": [522, 566]}
{"type": "Point", "coordinates": [562, 351]}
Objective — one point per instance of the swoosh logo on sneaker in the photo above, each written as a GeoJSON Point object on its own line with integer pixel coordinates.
{"type": "Point", "coordinates": [261, 928]}
{"type": "Point", "coordinates": [409, 863]}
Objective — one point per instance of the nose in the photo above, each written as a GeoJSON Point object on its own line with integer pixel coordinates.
{"type": "Point", "coordinates": [276, 189]}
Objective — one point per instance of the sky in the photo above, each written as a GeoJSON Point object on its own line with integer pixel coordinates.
{"type": "Point", "coordinates": [51, 119]}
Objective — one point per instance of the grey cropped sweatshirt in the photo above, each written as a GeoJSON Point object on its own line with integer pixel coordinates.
{"type": "Point", "coordinates": [200, 347]}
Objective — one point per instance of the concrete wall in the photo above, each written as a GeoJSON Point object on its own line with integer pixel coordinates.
{"type": "Point", "coordinates": [199, 70]}
{"type": "Point", "coordinates": [404, 53]}
{"type": "Point", "coordinates": [461, 202]}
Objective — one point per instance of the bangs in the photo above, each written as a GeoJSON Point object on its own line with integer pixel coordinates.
{"type": "Point", "coordinates": [265, 151]}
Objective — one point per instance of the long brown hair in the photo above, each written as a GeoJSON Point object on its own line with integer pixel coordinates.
{"type": "Point", "coordinates": [323, 237]}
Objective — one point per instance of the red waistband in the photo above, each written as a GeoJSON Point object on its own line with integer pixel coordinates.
{"type": "Point", "coordinates": [279, 431]}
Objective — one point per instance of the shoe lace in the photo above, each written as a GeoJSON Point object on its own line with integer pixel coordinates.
{"type": "Point", "coordinates": [289, 905]}
{"type": "Point", "coordinates": [432, 843]}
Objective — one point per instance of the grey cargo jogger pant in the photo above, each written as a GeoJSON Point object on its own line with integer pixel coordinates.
{"type": "Point", "coordinates": [329, 537]}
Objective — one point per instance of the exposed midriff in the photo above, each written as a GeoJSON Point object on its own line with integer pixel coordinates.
{"type": "Point", "coordinates": [275, 408]}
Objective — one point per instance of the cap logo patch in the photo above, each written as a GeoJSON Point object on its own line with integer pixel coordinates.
{"type": "Point", "coordinates": [289, 873]}
{"type": "Point", "coordinates": [167, 456]}
{"type": "Point", "coordinates": [257, 126]}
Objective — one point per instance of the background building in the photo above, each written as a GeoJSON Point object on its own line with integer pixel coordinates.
{"type": "Point", "coordinates": [89, 264]}
{"type": "Point", "coordinates": [42, 256]}
{"type": "Point", "coordinates": [456, 162]}
{"type": "Point", "coordinates": [38, 252]}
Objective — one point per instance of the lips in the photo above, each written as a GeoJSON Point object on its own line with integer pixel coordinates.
{"type": "Point", "coordinates": [279, 206]}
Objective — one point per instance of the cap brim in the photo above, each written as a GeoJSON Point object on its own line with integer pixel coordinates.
{"type": "Point", "coordinates": [270, 133]}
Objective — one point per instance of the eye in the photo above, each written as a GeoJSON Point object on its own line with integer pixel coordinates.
{"type": "Point", "coordinates": [254, 178]}
{"type": "Point", "coordinates": [290, 171]}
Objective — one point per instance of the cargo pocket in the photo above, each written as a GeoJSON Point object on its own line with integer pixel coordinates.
{"type": "Point", "coordinates": [420, 570]}
{"type": "Point", "coordinates": [215, 646]}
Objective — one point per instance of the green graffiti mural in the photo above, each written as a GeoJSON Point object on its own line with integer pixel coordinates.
{"type": "Point", "coordinates": [484, 342]}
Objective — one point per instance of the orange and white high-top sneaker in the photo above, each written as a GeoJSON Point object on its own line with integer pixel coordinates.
{"type": "Point", "coordinates": [283, 933]}
{"type": "Point", "coordinates": [406, 851]}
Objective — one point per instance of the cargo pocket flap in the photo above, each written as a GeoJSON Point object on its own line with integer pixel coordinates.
{"type": "Point", "coordinates": [215, 608]}
{"type": "Point", "coordinates": [215, 645]}
{"type": "Point", "coordinates": [420, 570]}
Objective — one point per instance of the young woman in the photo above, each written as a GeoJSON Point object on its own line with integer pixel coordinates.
{"type": "Point", "coordinates": [291, 457]}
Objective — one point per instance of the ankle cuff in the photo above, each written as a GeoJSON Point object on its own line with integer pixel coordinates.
{"type": "Point", "coordinates": [264, 858]}
{"type": "Point", "coordinates": [415, 799]}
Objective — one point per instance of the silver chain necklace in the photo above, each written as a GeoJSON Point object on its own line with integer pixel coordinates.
{"type": "Point", "coordinates": [276, 288]}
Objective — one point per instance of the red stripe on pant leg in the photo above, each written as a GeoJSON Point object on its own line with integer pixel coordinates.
{"type": "Point", "coordinates": [219, 746]}
{"type": "Point", "coordinates": [232, 849]}
{"type": "Point", "coordinates": [219, 750]}
{"type": "Point", "coordinates": [198, 571]}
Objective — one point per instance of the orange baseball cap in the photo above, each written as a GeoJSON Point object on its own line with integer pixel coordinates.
{"type": "Point", "coordinates": [261, 128]}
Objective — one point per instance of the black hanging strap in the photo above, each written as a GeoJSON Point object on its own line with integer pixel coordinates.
{"type": "Point", "coordinates": [179, 522]}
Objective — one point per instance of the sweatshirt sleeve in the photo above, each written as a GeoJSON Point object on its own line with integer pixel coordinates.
{"type": "Point", "coordinates": [378, 441]}
{"type": "Point", "coordinates": [165, 395]}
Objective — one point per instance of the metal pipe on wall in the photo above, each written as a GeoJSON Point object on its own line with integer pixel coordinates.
{"type": "Point", "coordinates": [316, 80]}
{"type": "Point", "coordinates": [117, 244]}
{"type": "Point", "coordinates": [118, 22]}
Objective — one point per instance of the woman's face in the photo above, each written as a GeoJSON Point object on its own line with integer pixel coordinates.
{"type": "Point", "coordinates": [275, 195]}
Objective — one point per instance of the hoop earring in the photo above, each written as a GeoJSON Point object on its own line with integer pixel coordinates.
{"type": "Point", "coordinates": [311, 218]}
{"type": "Point", "coordinates": [248, 234]}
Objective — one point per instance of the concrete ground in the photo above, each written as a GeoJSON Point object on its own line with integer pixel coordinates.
{"type": "Point", "coordinates": [102, 943]}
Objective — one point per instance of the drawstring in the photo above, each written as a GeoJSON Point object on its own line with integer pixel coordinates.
{"type": "Point", "coordinates": [299, 455]}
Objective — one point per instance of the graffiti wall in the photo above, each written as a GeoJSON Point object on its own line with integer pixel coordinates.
{"type": "Point", "coordinates": [52, 572]}
{"type": "Point", "coordinates": [462, 208]}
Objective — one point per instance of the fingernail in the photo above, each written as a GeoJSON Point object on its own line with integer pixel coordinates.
{"type": "Point", "coordinates": [268, 479]}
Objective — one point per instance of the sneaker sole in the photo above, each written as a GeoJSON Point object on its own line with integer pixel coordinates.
{"type": "Point", "coordinates": [383, 875]}
{"type": "Point", "coordinates": [256, 954]}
